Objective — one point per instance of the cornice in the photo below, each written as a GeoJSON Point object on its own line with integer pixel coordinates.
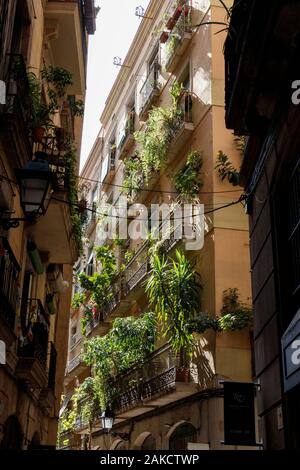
{"type": "Point", "coordinates": [132, 57]}
{"type": "Point", "coordinates": [87, 170]}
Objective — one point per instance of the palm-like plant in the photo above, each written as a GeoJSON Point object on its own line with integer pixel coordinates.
{"type": "Point", "coordinates": [174, 290]}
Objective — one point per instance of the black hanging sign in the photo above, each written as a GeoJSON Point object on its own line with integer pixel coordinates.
{"type": "Point", "coordinates": [239, 415]}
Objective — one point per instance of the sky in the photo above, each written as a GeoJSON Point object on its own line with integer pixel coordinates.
{"type": "Point", "coordinates": [116, 27]}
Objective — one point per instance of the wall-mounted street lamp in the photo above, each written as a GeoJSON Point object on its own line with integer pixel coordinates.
{"type": "Point", "coordinates": [107, 420]}
{"type": "Point", "coordinates": [34, 181]}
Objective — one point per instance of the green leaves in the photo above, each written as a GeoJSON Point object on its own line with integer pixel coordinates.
{"type": "Point", "coordinates": [187, 181]}
{"type": "Point", "coordinates": [155, 140]}
{"type": "Point", "coordinates": [174, 290]}
{"type": "Point", "coordinates": [234, 316]}
{"type": "Point", "coordinates": [225, 169]}
{"type": "Point", "coordinates": [128, 342]}
{"type": "Point", "coordinates": [78, 299]}
{"type": "Point", "coordinates": [99, 285]}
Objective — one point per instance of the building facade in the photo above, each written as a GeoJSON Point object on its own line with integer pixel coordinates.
{"type": "Point", "coordinates": [43, 46]}
{"type": "Point", "coordinates": [262, 103]}
{"type": "Point", "coordinates": [167, 411]}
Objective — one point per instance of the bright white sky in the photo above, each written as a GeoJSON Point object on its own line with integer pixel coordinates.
{"type": "Point", "coordinates": [116, 27]}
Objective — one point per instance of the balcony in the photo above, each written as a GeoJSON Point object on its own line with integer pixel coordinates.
{"type": "Point", "coordinates": [126, 137]}
{"type": "Point", "coordinates": [9, 281]}
{"type": "Point", "coordinates": [47, 395]}
{"type": "Point", "coordinates": [74, 363]}
{"type": "Point", "coordinates": [109, 166]}
{"type": "Point", "coordinates": [152, 384]}
{"type": "Point", "coordinates": [178, 38]}
{"type": "Point", "coordinates": [32, 364]}
{"type": "Point", "coordinates": [91, 219]}
{"type": "Point", "coordinates": [67, 22]}
{"type": "Point", "coordinates": [15, 114]}
{"type": "Point", "coordinates": [56, 223]}
{"type": "Point", "coordinates": [150, 90]}
{"type": "Point", "coordinates": [183, 127]}
{"type": "Point", "coordinates": [137, 269]}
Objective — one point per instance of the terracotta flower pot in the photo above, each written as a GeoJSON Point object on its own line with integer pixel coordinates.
{"type": "Point", "coordinates": [38, 134]}
{"type": "Point", "coordinates": [170, 23]}
{"type": "Point", "coordinates": [183, 374]}
{"type": "Point", "coordinates": [164, 37]}
{"type": "Point", "coordinates": [177, 13]}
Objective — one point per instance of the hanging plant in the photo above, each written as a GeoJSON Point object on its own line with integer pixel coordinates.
{"type": "Point", "coordinates": [187, 181]}
{"type": "Point", "coordinates": [226, 170]}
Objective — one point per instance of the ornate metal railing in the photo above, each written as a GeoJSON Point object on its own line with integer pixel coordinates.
{"type": "Point", "coordinates": [154, 377]}
{"type": "Point", "coordinates": [182, 26]}
{"type": "Point", "coordinates": [35, 329]}
{"type": "Point", "coordinates": [73, 363]}
{"type": "Point", "coordinates": [9, 276]}
{"type": "Point", "coordinates": [18, 99]}
{"type": "Point", "coordinates": [137, 268]}
{"type": "Point", "coordinates": [151, 85]}
{"type": "Point", "coordinates": [128, 129]}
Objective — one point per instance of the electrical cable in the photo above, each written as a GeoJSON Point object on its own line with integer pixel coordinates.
{"type": "Point", "coordinates": [238, 201]}
{"type": "Point", "coordinates": [241, 198]}
{"type": "Point", "coordinates": [155, 190]}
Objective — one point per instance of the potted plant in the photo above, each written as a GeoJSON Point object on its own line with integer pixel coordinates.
{"type": "Point", "coordinates": [177, 12]}
{"type": "Point", "coordinates": [170, 23]}
{"type": "Point", "coordinates": [182, 374]}
{"type": "Point", "coordinates": [174, 289]}
{"type": "Point", "coordinates": [164, 37]}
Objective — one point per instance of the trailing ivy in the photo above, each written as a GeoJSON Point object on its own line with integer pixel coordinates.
{"type": "Point", "coordinates": [187, 181]}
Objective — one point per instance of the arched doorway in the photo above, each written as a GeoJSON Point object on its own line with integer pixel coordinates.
{"type": "Point", "coordinates": [118, 444]}
{"type": "Point", "coordinates": [144, 441]}
{"type": "Point", "coordinates": [180, 434]}
{"type": "Point", "coordinates": [13, 435]}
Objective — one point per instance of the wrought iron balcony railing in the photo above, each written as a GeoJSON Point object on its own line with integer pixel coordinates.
{"type": "Point", "coordinates": [156, 376]}
{"type": "Point", "coordinates": [9, 278]}
{"type": "Point", "coordinates": [128, 129]}
{"type": "Point", "coordinates": [137, 268]}
{"type": "Point", "coordinates": [181, 30]}
{"type": "Point", "coordinates": [18, 99]}
{"type": "Point", "coordinates": [150, 88]}
{"type": "Point", "coordinates": [37, 329]}
{"type": "Point", "coordinates": [74, 363]}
